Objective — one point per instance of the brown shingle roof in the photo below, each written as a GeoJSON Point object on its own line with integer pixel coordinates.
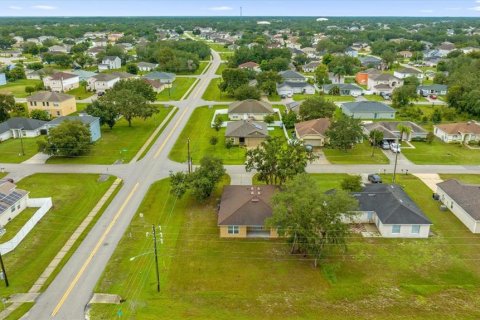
{"type": "Point", "coordinates": [246, 129]}
{"type": "Point", "coordinates": [466, 196]}
{"type": "Point", "coordinates": [245, 205]}
{"type": "Point", "coordinates": [248, 65]}
{"type": "Point", "coordinates": [463, 127]}
{"type": "Point", "coordinates": [48, 96]}
{"type": "Point", "coordinates": [312, 127]}
{"type": "Point", "coordinates": [250, 106]}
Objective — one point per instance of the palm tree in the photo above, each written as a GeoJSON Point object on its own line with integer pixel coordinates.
{"type": "Point", "coordinates": [375, 137]}
{"type": "Point", "coordinates": [404, 130]}
{"type": "Point", "coordinates": [339, 71]}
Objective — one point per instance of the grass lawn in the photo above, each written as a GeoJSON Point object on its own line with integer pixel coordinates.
{"type": "Point", "coordinates": [16, 224]}
{"type": "Point", "coordinates": [465, 178]}
{"type": "Point", "coordinates": [3, 174]}
{"type": "Point", "coordinates": [20, 311]}
{"type": "Point", "coordinates": [123, 142]}
{"type": "Point", "coordinates": [374, 97]}
{"type": "Point", "coordinates": [179, 87]}
{"type": "Point", "coordinates": [220, 69]}
{"type": "Point", "coordinates": [199, 131]}
{"type": "Point", "coordinates": [17, 88]}
{"type": "Point", "coordinates": [218, 47]}
{"type": "Point", "coordinates": [10, 150]}
{"type": "Point", "coordinates": [36, 251]}
{"type": "Point", "coordinates": [81, 107]}
{"type": "Point", "coordinates": [339, 98]}
{"type": "Point", "coordinates": [441, 153]}
{"type": "Point", "coordinates": [225, 55]}
{"type": "Point", "coordinates": [360, 154]}
{"type": "Point", "coordinates": [300, 97]}
{"type": "Point", "coordinates": [80, 93]}
{"type": "Point", "coordinates": [202, 65]}
{"type": "Point", "coordinates": [213, 93]}
{"type": "Point", "coordinates": [204, 277]}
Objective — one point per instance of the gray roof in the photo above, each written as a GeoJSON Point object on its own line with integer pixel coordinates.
{"type": "Point", "coordinates": [369, 59]}
{"type": "Point", "coordinates": [391, 204]}
{"type": "Point", "coordinates": [409, 71]}
{"type": "Point", "coordinates": [84, 74]}
{"type": "Point", "coordinates": [49, 96]}
{"type": "Point", "coordinates": [105, 77]}
{"type": "Point", "coordinates": [367, 106]}
{"type": "Point", "coordinates": [246, 129]}
{"type": "Point", "coordinates": [158, 75]}
{"type": "Point", "coordinates": [466, 196]}
{"type": "Point", "coordinates": [294, 84]}
{"type": "Point", "coordinates": [17, 123]}
{"type": "Point", "coordinates": [9, 195]}
{"type": "Point", "coordinates": [342, 86]}
{"type": "Point", "coordinates": [147, 65]}
{"type": "Point", "coordinates": [250, 106]}
{"type": "Point", "coordinates": [85, 119]}
{"type": "Point", "coordinates": [110, 58]}
{"type": "Point", "coordinates": [435, 87]}
{"type": "Point", "coordinates": [383, 77]}
{"type": "Point", "coordinates": [289, 74]}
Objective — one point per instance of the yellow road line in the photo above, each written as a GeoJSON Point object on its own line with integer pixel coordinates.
{"type": "Point", "coordinates": [94, 251]}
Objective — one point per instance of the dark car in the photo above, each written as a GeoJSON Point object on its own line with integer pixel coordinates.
{"type": "Point", "coordinates": [374, 178]}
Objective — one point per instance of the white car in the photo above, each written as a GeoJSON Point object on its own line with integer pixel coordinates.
{"type": "Point", "coordinates": [395, 147]}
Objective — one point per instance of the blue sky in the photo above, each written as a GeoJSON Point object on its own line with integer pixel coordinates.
{"type": "Point", "coordinates": [231, 8]}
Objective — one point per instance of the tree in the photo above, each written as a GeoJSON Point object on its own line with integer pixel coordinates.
{"type": "Point", "coordinates": [321, 75]}
{"type": "Point", "coordinates": [388, 58]}
{"type": "Point", "coordinates": [233, 79]}
{"type": "Point", "coordinates": [213, 140]}
{"type": "Point", "coordinates": [29, 89]}
{"type": "Point", "coordinates": [16, 73]}
{"type": "Point", "coordinates": [403, 95]}
{"type": "Point", "coordinates": [436, 116]}
{"type": "Point", "coordinates": [344, 133]}
{"type": "Point", "coordinates": [269, 118]}
{"type": "Point", "coordinates": [69, 139]}
{"type": "Point", "coordinates": [289, 119]}
{"type": "Point", "coordinates": [107, 112]}
{"type": "Point", "coordinates": [138, 86]}
{"type": "Point", "coordinates": [411, 81]}
{"type": "Point", "coordinates": [267, 81]}
{"type": "Point", "coordinates": [276, 162]}
{"type": "Point", "coordinates": [352, 183]}
{"type": "Point", "coordinates": [375, 137]}
{"type": "Point", "coordinates": [312, 221]}
{"type": "Point", "coordinates": [20, 110]}
{"type": "Point", "coordinates": [430, 137]}
{"type": "Point", "coordinates": [131, 68]}
{"type": "Point", "coordinates": [316, 107]}
{"type": "Point", "coordinates": [179, 183]}
{"type": "Point", "coordinates": [440, 78]}
{"type": "Point", "coordinates": [40, 114]}
{"type": "Point", "coordinates": [245, 92]}
{"type": "Point", "coordinates": [217, 124]}
{"type": "Point", "coordinates": [276, 64]}
{"type": "Point", "coordinates": [404, 130]}
{"type": "Point", "coordinates": [7, 104]}
{"type": "Point", "coordinates": [334, 91]}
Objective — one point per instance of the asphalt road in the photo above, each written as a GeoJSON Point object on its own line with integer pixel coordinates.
{"type": "Point", "coordinates": [71, 290]}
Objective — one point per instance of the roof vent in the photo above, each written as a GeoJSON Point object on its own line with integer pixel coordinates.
{"type": "Point", "coordinates": [252, 193]}
{"type": "Point", "coordinates": [255, 200]}
{"type": "Point", "coordinates": [371, 194]}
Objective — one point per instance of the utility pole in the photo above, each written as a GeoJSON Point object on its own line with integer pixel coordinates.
{"type": "Point", "coordinates": [395, 167]}
{"type": "Point", "coordinates": [4, 273]}
{"type": "Point", "coordinates": [156, 256]}
{"type": "Point", "coordinates": [189, 159]}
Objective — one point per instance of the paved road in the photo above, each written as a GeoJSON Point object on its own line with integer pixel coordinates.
{"type": "Point", "coordinates": [71, 290]}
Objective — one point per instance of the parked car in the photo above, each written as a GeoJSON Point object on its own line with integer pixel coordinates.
{"type": "Point", "coordinates": [385, 145]}
{"type": "Point", "coordinates": [374, 178]}
{"type": "Point", "coordinates": [395, 147]}
{"type": "Point", "coordinates": [432, 96]}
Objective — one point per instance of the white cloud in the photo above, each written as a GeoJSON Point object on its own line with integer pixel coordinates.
{"type": "Point", "coordinates": [44, 7]}
{"type": "Point", "coordinates": [223, 8]}
{"type": "Point", "coordinates": [475, 8]}
{"type": "Point", "coordinates": [15, 8]}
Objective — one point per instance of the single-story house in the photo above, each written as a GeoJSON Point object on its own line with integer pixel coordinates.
{"type": "Point", "coordinates": [391, 132]}
{"type": "Point", "coordinates": [92, 123]}
{"type": "Point", "coordinates": [250, 65]}
{"type": "Point", "coordinates": [21, 127]}
{"type": "Point", "coordinates": [165, 78]}
{"type": "Point", "coordinates": [61, 81]}
{"type": "Point", "coordinates": [346, 89]}
{"type": "Point", "coordinates": [437, 89]}
{"type": "Point", "coordinates": [311, 66]}
{"type": "Point", "coordinates": [461, 132]}
{"type": "Point", "coordinates": [368, 110]}
{"type": "Point", "coordinates": [370, 62]}
{"type": "Point", "coordinates": [249, 109]}
{"type": "Point", "coordinates": [289, 88]}
{"type": "Point", "coordinates": [393, 212]}
{"type": "Point", "coordinates": [408, 72]}
{"type": "Point", "coordinates": [246, 133]}
{"type": "Point", "coordinates": [3, 79]}
{"type": "Point", "coordinates": [156, 85]}
{"type": "Point", "coordinates": [463, 200]}
{"type": "Point", "coordinates": [146, 66]}
{"type": "Point", "coordinates": [57, 104]}
{"type": "Point", "coordinates": [109, 63]}
{"type": "Point", "coordinates": [243, 211]}
{"type": "Point", "coordinates": [102, 82]}
{"type": "Point", "coordinates": [312, 132]}
{"type": "Point", "coordinates": [292, 76]}
{"type": "Point", "coordinates": [12, 201]}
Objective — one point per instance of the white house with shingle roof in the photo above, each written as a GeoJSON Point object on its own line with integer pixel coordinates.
{"type": "Point", "coordinates": [462, 132]}
{"type": "Point", "coordinates": [249, 109]}
{"type": "Point", "coordinates": [61, 81]}
{"type": "Point", "coordinates": [12, 201]}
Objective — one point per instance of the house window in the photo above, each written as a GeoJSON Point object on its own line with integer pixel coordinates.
{"type": "Point", "coordinates": [13, 209]}
{"type": "Point", "coordinates": [416, 229]}
{"type": "Point", "coordinates": [396, 228]}
{"type": "Point", "coordinates": [233, 229]}
{"type": "Point", "coordinates": [451, 205]}
{"type": "Point", "coordinates": [58, 113]}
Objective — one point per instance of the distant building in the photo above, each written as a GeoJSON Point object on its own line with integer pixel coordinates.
{"type": "Point", "coordinates": [109, 63]}
{"type": "Point", "coordinates": [368, 110]}
{"type": "Point", "coordinates": [19, 127]}
{"type": "Point", "coordinates": [102, 82]}
{"type": "Point", "coordinates": [246, 133]}
{"type": "Point", "coordinates": [462, 132]}
{"type": "Point", "coordinates": [146, 66]}
{"type": "Point", "coordinates": [249, 109]}
{"type": "Point", "coordinates": [61, 82]}
{"type": "Point", "coordinates": [250, 66]}
{"type": "Point", "coordinates": [57, 104]}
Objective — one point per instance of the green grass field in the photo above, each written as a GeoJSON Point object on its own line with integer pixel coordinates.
{"type": "Point", "coordinates": [360, 154]}
{"type": "Point", "coordinates": [17, 88]}
{"type": "Point", "coordinates": [16, 224]}
{"type": "Point", "coordinates": [121, 143]}
{"type": "Point", "coordinates": [218, 47]}
{"type": "Point", "coordinates": [441, 153]}
{"type": "Point", "coordinates": [202, 65]}
{"type": "Point", "coordinates": [213, 93]}
{"type": "Point", "coordinates": [374, 97]}
{"type": "Point", "coordinates": [80, 93]}
{"type": "Point", "coordinates": [220, 69]}
{"type": "Point", "coordinates": [465, 178]}
{"type": "Point", "coordinates": [205, 277]}
{"type": "Point", "coordinates": [225, 55]}
{"type": "Point", "coordinates": [36, 251]}
{"type": "Point", "coordinates": [11, 149]}
{"type": "Point", "coordinates": [179, 87]}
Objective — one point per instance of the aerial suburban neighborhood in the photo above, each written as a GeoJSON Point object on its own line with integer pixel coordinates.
{"type": "Point", "coordinates": [215, 164]}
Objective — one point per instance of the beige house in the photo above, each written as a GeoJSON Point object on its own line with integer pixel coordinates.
{"type": "Point", "coordinates": [312, 132]}
{"type": "Point", "coordinates": [57, 104]}
{"type": "Point", "coordinates": [462, 132]}
{"type": "Point", "coordinates": [246, 133]}
{"type": "Point", "coordinates": [249, 109]}
{"type": "Point", "coordinates": [243, 211]}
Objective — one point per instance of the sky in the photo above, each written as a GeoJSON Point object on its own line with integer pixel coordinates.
{"type": "Point", "coordinates": [317, 8]}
